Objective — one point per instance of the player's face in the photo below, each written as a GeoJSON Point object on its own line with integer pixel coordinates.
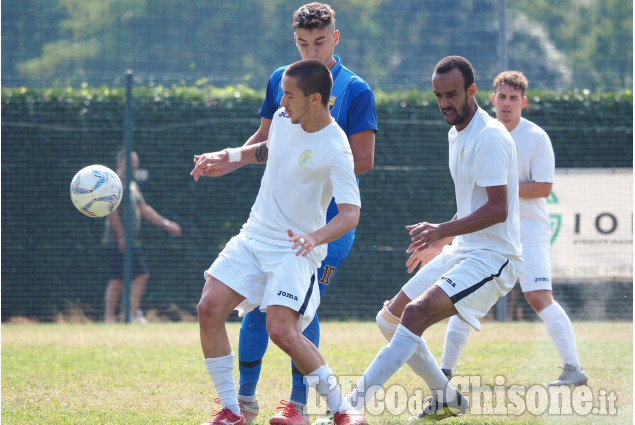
{"type": "Point", "coordinates": [317, 43]}
{"type": "Point", "coordinates": [452, 97]}
{"type": "Point", "coordinates": [508, 102]}
{"type": "Point", "coordinates": [296, 104]}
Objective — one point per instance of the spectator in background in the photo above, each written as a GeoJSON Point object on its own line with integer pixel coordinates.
{"type": "Point", "coordinates": [114, 241]}
{"type": "Point", "coordinates": [536, 166]}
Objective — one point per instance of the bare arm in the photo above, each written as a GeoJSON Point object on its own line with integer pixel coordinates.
{"type": "Point", "coordinates": [532, 190]}
{"type": "Point", "coordinates": [345, 220]}
{"type": "Point", "coordinates": [261, 135]}
{"type": "Point", "coordinates": [157, 219]}
{"type": "Point", "coordinates": [208, 163]}
{"type": "Point", "coordinates": [363, 148]}
{"type": "Point", "coordinates": [492, 212]}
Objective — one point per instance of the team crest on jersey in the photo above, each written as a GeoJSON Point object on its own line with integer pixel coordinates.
{"type": "Point", "coordinates": [305, 158]}
{"type": "Point", "coordinates": [332, 100]}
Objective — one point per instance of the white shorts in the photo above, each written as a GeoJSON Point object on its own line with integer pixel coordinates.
{"type": "Point", "coordinates": [267, 275]}
{"type": "Point", "coordinates": [473, 280]}
{"type": "Point", "coordinates": [535, 271]}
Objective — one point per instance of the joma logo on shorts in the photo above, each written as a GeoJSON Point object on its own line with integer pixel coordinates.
{"type": "Point", "coordinates": [449, 281]}
{"type": "Point", "coordinates": [541, 279]}
{"type": "Point", "coordinates": [286, 294]}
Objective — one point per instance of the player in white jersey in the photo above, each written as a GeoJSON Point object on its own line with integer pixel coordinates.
{"type": "Point", "coordinates": [536, 167]}
{"type": "Point", "coordinates": [273, 261]}
{"type": "Point", "coordinates": [478, 267]}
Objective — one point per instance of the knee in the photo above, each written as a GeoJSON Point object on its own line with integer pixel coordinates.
{"type": "Point", "coordinates": [412, 314]}
{"type": "Point", "coordinates": [281, 335]}
{"type": "Point", "coordinates": [208, 310]}
{"type": "Point", "coordinates": [539, 300]}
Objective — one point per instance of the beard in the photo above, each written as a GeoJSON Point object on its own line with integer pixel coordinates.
{"type": "Point", "coordinates": [460, 117]}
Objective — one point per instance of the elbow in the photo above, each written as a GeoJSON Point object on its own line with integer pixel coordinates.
{"type": "Point", "coordinates": [353, 218]}
{"type": "Point", "coordinates": [500, 215]}
{"type": "Point", "coordinates": [364, 165]}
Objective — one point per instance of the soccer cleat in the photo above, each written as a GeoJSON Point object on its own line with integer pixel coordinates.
{"type": "Point", "coordinates": [346, 418]}
{"type": "Point", "coordinates": [290, 415]}
{"type": "Point", "coordinates": [435, 411]}
{"type": "Point", "coordinates": [571, 375]}
{"type": "Point", "coordinates": [326, 419]}
{"type": "Point", "coordinates": [226, 417]}
{"type": "Point", "coordinates": [447, 373]}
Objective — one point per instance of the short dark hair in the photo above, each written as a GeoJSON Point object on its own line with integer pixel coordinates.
{"type": "Point", "coordinates": [312, 76]}
{"type": "Point", "coordinates": [121, 154]}
{"type": "Point", "coordinates": [515, 79]}
{"type": "Point", "coordinates": [449, 63]}
{"type": "Point", "coordinates": [314, 15]}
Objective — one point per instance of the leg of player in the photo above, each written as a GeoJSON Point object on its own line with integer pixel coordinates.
{"type": "Point", "coordinates": [293, 412]}
{"type": "Point", "coordinates": [561, 332]}
{"type": "Point", "coordinates": [215, 306]}
{"type": "Point", "coordinates": [252, 346]}
{"type": "Point", "coordinates": [282, 326]}
{"type": "Point", "coordinates": [456, 335]}
{"type": "Point", "coordinates": [416, 316]}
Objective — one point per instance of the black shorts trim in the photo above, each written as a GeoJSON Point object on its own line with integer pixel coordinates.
{"type": "Point", "coordinates": [307, 297]}
{"type": "Point", "coordinates": [464, 293]}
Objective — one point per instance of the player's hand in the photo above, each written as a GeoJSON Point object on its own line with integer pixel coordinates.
{"type": "Point", "coordinates": [303, 243]}
{"type": "Point", "coordinates": [422, 235]}
{"type": "Point", "coordinates": [421, 257]}
{"type": "Point", "coordinates": [173, 228]}
{"type": "Point", "coordinates": [208, 164]}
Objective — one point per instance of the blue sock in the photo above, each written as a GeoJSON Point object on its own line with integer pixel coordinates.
{"type": "Point", "coordinates": [298, 388]}
{"type": "Point", "coordinates": [252, 346]}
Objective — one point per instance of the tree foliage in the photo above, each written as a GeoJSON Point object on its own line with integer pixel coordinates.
{"type": "Point", "coordinates": [566, 44]}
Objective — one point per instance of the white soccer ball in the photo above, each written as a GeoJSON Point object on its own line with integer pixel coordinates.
{"type": "Point", "coordinates": [96, 191]}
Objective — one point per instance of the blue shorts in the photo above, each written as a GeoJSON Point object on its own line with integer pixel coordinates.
{"type": "Point", "coordinates": [337, 252]}
{"type": "Point", "coordinates": [115, 260]}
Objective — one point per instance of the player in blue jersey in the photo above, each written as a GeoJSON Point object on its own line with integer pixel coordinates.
{"type": "Point", "coordinates": [352, 104]}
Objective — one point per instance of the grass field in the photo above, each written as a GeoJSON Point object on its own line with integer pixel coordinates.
{"type": "Point", "coordinates": [154, 374]}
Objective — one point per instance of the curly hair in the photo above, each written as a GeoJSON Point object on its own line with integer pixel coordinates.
{"type": "Point", "coordinates": [515, 79]}
{"type": "Point", "coordinates": [313, 15]}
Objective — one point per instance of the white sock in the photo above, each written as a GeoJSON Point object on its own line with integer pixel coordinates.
{"type": "Point", "coordinates": [403, 345]}
{"type": "Point", "coordinates": [561, 332]}
{"type": "Point", "coordinates": [388, 329]}
{"type": "Point", "coordinates": [325, 383]}
{"type": "Point", "coordinates": [221, 370]}
{"type": "Point", "coordinates": [456, 335]}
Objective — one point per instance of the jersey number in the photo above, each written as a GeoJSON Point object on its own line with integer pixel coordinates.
{"type": "Point", "coordinates": [327, 275]}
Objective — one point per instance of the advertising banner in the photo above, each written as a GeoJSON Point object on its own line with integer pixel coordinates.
{"type": "Point", "coordinates": [591, 213]}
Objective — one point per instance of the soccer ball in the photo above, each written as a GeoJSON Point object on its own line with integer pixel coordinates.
{"type": "Point", "coordinates": [96, 191]}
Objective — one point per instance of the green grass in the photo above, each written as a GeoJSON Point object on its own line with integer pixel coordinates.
{"type": "Point", "coordinates": [154, 374]}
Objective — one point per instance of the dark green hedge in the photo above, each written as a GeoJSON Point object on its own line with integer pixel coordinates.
{"type": "Point", "coordinates": [52, 257]}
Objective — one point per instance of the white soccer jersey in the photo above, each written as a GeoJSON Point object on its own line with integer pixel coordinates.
{"type": "Point", "coordinates": [481, 155]}
{"type": "Point", "coordinates": [304, 172]}
{"type": "Point", "coordinates": [536, 162]}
